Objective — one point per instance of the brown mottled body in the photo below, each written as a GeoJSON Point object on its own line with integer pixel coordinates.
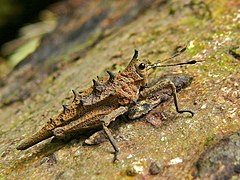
{"type": "Point", "coordinates": [89, 107]}
{"type": "Point", "coordinates": [99, 105]}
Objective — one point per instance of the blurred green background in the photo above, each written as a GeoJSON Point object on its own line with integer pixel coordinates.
{"type": "Point", "coordinates": [16, 13]}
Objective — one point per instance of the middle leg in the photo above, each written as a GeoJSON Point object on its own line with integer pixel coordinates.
{"type": "Point", "coordinates": [106, 121]}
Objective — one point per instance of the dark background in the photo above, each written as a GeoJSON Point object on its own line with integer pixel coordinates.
{"type": "Point", "coordinates": [16, 13]}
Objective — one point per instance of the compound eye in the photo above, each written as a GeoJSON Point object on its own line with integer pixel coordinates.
{"type": "Point", "coordinates": [141, 66]}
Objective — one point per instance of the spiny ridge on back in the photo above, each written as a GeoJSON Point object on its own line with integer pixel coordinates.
{"type": "Point", "coordinates": [84, 101]}
{"type": "Point", "coordinates": [100, 90]}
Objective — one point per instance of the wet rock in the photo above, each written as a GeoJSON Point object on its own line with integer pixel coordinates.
{"type": "Point", "coordinates": [222, 161]}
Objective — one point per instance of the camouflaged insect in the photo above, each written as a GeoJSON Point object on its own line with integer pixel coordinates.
{"type": "Point", "coordinates": [124, 93]}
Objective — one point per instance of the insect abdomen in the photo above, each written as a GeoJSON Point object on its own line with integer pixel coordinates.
{"type": "Point", "coordinates": [36, 138]}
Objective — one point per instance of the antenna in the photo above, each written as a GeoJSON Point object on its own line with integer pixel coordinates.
{"type": "Point", "coordinates": [158, 64]}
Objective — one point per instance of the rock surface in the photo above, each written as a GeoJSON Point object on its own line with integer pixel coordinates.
{"type": "Point", "coordinates": [88, 42]}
